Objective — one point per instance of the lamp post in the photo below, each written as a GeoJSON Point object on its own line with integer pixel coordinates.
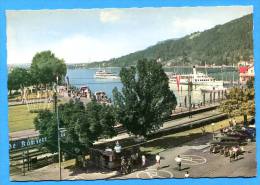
{"type": "Point", "coordinates": [189, 96]}
{"type": "Point", "coordinates": [213, 131]}
{"type": "Point", "coordinates": [58, 125]}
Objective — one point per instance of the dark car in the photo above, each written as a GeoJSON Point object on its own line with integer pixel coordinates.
{"type": "Point", "coordinates": [251, 121]}
{"type": "Point", "coordinates": [251, 132]}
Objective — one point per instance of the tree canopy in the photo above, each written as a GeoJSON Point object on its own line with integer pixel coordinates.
{"type": "Point", "coordinates": [18, 78]}
{"type": "Point", "coordinates": [46, 67]}
{"type": "Point", "coordinates": [146, 99]}
{"type": "Point", "coordinates": [239, 101]}
{"type": "Point", "coordinates": [84, 124]}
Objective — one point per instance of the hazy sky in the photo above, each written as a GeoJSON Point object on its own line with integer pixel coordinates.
{"type": "Point", "coordinates": [87, 35]}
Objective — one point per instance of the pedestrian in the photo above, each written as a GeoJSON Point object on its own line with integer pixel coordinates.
{"type": "Point", "coordinates": [178, 161]}
{"type": "Point", "coordinates": [158, 160]}
{"type": "Point", "coordinates": [143, 161]}
{"type": "Point", "coordinates": [230, 123]}
{"type": "Point", "coordinates": [129, 165]}
{"type": "Point", "coordinates": [203, 130]}
{"type": "Point", "coordinates": [117, 148]}
{"type": "Point", "coordinates": [221, 129]}
{"type": "Point", "coordinates": [235, 150]}
{"type": "Point", "coordinates": [122, 165]}
{"type": "Point", "coordinates": [235, 122]}
{"type": "Point", "coordinates": [186, 174]}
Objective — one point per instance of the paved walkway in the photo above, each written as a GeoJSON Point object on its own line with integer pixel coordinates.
{"type": "Point", "coordinates": [196, 159]}
{"type": "Point", "coordinates": [200, 163]}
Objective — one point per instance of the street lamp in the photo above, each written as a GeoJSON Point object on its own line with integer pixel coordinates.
{"type": "Point", "coordinates": [213, 131]}
{"type": "Point", "coordinates": [58, 124]}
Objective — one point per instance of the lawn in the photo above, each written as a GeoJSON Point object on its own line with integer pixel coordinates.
{"type": "Point", "coordinates": [20, 118]}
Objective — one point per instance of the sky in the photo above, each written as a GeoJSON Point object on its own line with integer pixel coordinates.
{"type": "Point", "coordinates": [88, 35]}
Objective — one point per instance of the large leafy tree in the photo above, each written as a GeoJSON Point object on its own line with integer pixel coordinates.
{"type": "Point", "coordinates": [250, 83]}
{"type": "Point", "coordinates": [239, 101]}
{"type": "Point", "coordinates": [83, 125]}
{"type": "Point", "coordinates": [145, 100]}
{"type": "Point", "coordinates": [45, 123]}
{"type": "Point", "coordinates": [18, 78]}
{"type": "Point", "coordinates": [46, 67]}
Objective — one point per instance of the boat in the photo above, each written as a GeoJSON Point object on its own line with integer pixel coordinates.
{"type": "Point", "coordinates": [103, 74]}
{"type": "Point", "coordinates": [195, 78]}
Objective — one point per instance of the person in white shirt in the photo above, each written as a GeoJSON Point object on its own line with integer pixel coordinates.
{"type": "Point", "coordinates": [158, 158]}
{"type": "Point", "coordinates": [178, 161]}
{"type": "Point", "coordinates": [186, 174]}
{"type": "Point", "coordinates": [117, 148]}
{"type": "Point", "coordinates": [143, 161]}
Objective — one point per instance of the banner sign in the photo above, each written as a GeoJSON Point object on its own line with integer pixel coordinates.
{"type": "Point", "coordinates": [26, 142]}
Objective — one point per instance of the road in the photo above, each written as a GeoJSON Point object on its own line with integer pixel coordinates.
{"type": "Point", "coordinates": [196, 159]}
{"type": "Point", "coordinates": [200, 163]}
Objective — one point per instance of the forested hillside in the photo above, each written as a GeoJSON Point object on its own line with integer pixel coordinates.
{"type": "Point", "coordinates": [223, 44]}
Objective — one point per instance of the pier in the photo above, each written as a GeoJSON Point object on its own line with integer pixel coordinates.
{"type": "Point", "coordinates": [207, 67]}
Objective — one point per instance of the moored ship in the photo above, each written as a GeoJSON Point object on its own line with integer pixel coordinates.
{"type": "Point", "coordinates": [103, 74]}
{"type": "Point", "coordinates": [195, 78]}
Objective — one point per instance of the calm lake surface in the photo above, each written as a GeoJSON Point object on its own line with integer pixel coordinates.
{"type": "Point", "coordinates": [85, 77]}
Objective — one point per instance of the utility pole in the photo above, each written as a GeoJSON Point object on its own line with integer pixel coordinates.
{"type": "Point", "coordinates": [189, 96]}
{"type": "Point", "coordinates": [58, 125]}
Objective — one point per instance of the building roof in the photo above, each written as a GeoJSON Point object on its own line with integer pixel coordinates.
{"type": "Point", "coordinates": [243, 69]}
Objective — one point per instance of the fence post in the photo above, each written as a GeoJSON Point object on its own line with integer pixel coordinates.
{"type": "Point", "coordinates": [204, 98]}
{"type": "Point", "coordinates": [23, 163]}
{"type": "Point", "coordinates": [28, 156]}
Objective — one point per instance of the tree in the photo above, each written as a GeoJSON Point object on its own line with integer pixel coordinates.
{"type": "Point", "coordinates": [45, 123]}
{"type": "Point", "coordinates": [83, 124]}
{"type": "Point", "coordinates": [250, 83]}
{"type": "Point", "coordinates": [46, 67]}
{"type": "Point", "coordinates": [239, 101]}
{"type": "Point", "coordinates": [185, 58]}
{"type": "Point", "coordinates": [146, 99]}
{"type": "Point", "coordinates": [18, 78]}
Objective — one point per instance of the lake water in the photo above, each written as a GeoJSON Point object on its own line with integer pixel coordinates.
{"type": "Point", "coordinates": [85, 77]}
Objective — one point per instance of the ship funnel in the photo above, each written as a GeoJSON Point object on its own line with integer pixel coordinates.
{"type": "Point", "coordinates": [194, 70]}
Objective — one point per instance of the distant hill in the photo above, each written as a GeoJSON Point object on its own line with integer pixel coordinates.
{"type": "Point", "coordinates": [223, 44]}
